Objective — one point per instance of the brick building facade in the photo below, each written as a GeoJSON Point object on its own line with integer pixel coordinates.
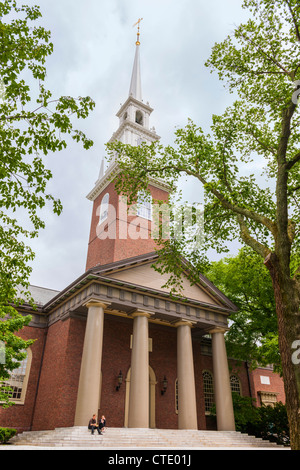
{"type": "Point", "coordinates": [51, 391]}
{"type": "Point", "coordinates": [115, 342]}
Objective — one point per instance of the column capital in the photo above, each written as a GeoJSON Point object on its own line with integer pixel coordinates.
{"type": "Point", "coordinates": [141, 313]}
{"type": "Point", "coordinates": [96, 303]}
{"type": "Point", "coordinates": [184, 323]}
{"type": "Point", "coordinates": [218, 329]}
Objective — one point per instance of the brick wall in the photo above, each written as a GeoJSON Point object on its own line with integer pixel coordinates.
{"type": "Point", "coordinates": [58, 381]}
{"type": "Point", "coordinates": [261, 375]}
{"type": "Point", "coordinates": [57, 395]}
{"type": "Point", "coordinates": [103, 251]}
{"type": "Point", "coordinates": [116, 356]}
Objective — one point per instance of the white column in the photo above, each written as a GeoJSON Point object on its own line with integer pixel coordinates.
{"type": "Point", "coordinates": [187, 409]}
{"type": "Point", "coordinates": [138, 416]}
{"type": "Point", "coordinates": [90, 371]}
{"type": "Point", "coordinates": [223, 396]}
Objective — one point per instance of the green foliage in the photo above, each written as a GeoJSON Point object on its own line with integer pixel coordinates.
{"type": "Point", "coordinates": [6, 434]}
{"type": "Point", "coordinates": [274, 423]}
{"type": "Point", "coordinates": [253, 334]}
{"type": "Point", "coordinates": [266, 422]}
{"type": "Point", "coordinates": [246, 415]}
{"type": "Point", "coordinates": [33, 124]}
{"type": "Point", "coordinates": [244, 412]}
{"type": "Point", "coordinates": [14, 348]}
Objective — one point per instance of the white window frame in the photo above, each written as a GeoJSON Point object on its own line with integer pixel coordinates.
{"type": "Point", "coordinates": [144, 205]}
{"type": "Point", "coordinates": [19, 379]}
{"type": "Point", "coordinates": [208, 390]}
{"type": "Point", "coordinates": [235, 384]}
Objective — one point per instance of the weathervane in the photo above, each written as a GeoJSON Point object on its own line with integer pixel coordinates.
{"type": "Point", "coordinates": [138, 31]}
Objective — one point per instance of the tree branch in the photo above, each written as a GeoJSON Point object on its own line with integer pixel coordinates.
{"type": "Point", "coordinates": [236, 209]}
{"type": "Point", "coordinates": [262, 144]}
{"type": "Point", "coordinates": [294, 20]}
{"type": "Point", "coordinates": [224, 168]}
{"type": "Point", "coordinates": [271, 59]}
{"type": "Point", "coordinates": [249, 240]}
{"type": "Point", "coordinates": [293, 162]}
{"type": "Point", "coordinates": [249, 214]}
{"type": "Point", "coordinates": [290, 191]}
{"type": "Point", "coordinates": [297, 274]}
{"type": "Point", "coordinates": [291, 230]}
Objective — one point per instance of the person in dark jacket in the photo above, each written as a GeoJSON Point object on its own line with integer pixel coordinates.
{"type": "Point", "coordinates": [93, 425]}
{"type": "Point", "coordinates": [102, 423]}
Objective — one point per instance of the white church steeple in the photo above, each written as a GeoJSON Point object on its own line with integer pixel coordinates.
{"type": "Point", "coordinates": [133, 117]}
{"type": "Point", "coordinates": [135, 89]}
{"type": "Point", "coordinates": [134, 114]}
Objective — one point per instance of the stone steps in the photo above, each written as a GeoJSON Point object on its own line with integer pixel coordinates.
{"type": "Point", "coordinates": [80, 437]}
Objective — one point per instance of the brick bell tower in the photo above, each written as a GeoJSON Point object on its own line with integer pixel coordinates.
{"type": "Point", "coordinates": [114, 233]}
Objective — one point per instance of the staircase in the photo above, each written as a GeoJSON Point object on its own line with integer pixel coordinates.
{"type": "Point", "coordinates": [125, 438]}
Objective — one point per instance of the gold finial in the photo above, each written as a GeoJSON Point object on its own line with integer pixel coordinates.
{"type": "Point", "coordinates": [138, 31]}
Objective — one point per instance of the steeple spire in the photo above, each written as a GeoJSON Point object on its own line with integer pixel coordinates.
{"type": "Point", "coordinates": [138, 31]}
{"type": "Point", "coordinates": [135, 89]}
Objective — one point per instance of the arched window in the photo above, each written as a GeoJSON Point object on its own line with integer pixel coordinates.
{"type": "Point", "coordinates": [19, 379]}
{"type": "Point", "coordinates": [208, 387]}
{"type": "Point", "coordinates": [139, 117]}
{"type": "Point", "coordinates": [104, 208]}
{"type": "Point", "coordinates": [144, 205]}
{"type": "Point", "coordinates": [235, 384]}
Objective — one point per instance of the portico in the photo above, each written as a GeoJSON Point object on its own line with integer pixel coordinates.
{"type": "Point", "coordinates": [104, 297]}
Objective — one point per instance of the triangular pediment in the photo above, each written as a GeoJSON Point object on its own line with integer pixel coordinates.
{"type": "Point", "coordinates": [146, 276]}
{"type": "Point", "coordinates": [142, 274]}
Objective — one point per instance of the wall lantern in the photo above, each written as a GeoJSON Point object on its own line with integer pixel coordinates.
{"type": "Point", "coordinates": [120, 380]}
{"type": "Point", "coordinates": [164, 385]}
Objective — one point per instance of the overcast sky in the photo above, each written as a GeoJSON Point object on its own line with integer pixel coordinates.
{"type": "Point", "coordinates": [94, 46]}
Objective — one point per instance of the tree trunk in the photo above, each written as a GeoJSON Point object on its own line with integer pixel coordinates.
{"type": "Point", "coordinates": [287, 298]}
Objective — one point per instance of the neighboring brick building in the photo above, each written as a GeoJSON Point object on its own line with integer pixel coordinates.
{"type": "Point", "coordinates": [267, 386]}
{"type": "Point", "coordinates": [115, 342]}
